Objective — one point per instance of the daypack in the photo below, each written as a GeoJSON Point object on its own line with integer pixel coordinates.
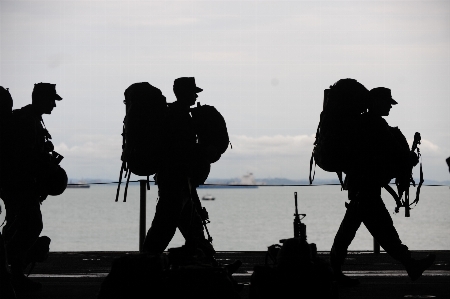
{"type": "Point", "coordinates": [336, 144]}
{"type": "Point", "coordinates": [143, 129]}
{"type": "Point", "coordinates": [211, 130]}
{"type": "Point", "coordinates": [293, 268]}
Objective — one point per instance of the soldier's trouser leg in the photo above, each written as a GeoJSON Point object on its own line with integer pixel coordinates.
{"type": "Point", "coordinates": [379, 223]}
{"type": "Point", "coordinates": [172, 197]}
{"type": "Point", "coordinates": [190, 225]}
{"type": "Point", "coordinates": [345, 235]}
{"type": "Point", "coordinates": [22, 233]}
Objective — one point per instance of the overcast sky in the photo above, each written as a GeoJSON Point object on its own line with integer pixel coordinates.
{"type": "Point", "coordinates": [262, 64]}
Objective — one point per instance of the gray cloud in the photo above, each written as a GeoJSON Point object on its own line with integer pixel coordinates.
{"type": "Point", "coordinates": [93, 50]}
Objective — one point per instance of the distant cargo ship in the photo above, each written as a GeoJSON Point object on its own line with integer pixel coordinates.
{"type": "Point", "coordinates": [79, 184]}
{"type": "Point", "coordinates": [247, 181]}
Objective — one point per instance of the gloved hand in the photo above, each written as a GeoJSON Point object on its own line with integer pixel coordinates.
{"type": "Point", "coordinates": [413, 158]}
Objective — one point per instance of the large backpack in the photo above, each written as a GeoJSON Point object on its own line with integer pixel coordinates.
{"type": "Point", "coordinates": [211, 129]}
{"type": "Point", "coordinates": [6, 103]}
{"type": "Point", "coordinates": [336, 147]}
{"type": "Point", "coordinates": [142, 135]}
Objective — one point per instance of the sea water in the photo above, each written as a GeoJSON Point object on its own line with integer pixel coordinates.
{"type": "Point", "coordinates": [245, 219]}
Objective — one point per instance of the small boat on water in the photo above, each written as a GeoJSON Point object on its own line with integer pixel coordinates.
{"type": "Point", "coordinates": [208, 197]}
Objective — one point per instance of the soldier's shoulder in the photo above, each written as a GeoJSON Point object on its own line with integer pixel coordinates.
{"type": "Point", "coordinates": [24, 112]}
{"type": "Point", "coordinates": [374, 120]}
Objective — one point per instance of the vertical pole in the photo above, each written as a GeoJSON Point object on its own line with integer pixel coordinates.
{"type": "Point", "coordinates": [142, 213]}
{"type": "Point", "coordinates": [376, 246]}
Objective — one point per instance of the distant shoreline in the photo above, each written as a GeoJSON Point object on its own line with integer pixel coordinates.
{"type": "Point", "coordinates": [259, 182]}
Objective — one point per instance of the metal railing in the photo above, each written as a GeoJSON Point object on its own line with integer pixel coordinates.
{"type": "Point", "coordinates": [143, 200]}
{"type": "Point", "coordinates": [142, 215]}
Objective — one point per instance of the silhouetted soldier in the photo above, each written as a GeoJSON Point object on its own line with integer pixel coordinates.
{"type": "Point", "coordinates": [380, 149]}
{"type": "Point", "coordinates": [175, 179]}
{"type": "Point", "coordinates": [6, 104]}
{"type": "Point", "coordinates": [23, 192]}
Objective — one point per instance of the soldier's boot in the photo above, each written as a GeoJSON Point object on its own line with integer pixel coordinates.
{"type": "Point", "coordinates": [415, 268]}
{"type": "Point", "coordinates": [19, 281]}
{"type": "Point", "coordinates": [209, 251]}
{"type": "Point", "coordinates": [38, 252]}
{"type": "Point", "coordinates": [343, 280]}
{"type": "Point", "coordinates": [6, 288]}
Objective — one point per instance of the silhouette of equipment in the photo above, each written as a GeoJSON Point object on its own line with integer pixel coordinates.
{"type": "Point", "coordinates": [143, 130]}
{"type": "Point", "coordinates": [299, 227]}
{"type": "Point", "coordinates": [403, 183]}
{"type": "Point", "coordinates": [211, 130]}
{"type": "Point", "coordinates": [340, 124]}
{"type": "Point", "coordinates": [203, 213]}
{"type": "Point", "coordinates": [55, 181]}
{"type": "Point", "coordinates": [293, 267]}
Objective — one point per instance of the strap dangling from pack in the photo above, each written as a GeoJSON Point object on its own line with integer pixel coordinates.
{"type": "Point", "coordinates": [311, 179]}
{"type": "Point", "coordinates": [312, 154]}
{"type": "Point", "coordinates": [339, 174]}
{"type": "Point", "coordinates": [416, 201]}
{"type": "Point", "coordinates": [126, 189]}
{"type": "Point", "coordinates": [120, 181]}
{"type": "Point", "coordinates": [395, 196]}
{"type": "Point", "coordinates": [148, 182]}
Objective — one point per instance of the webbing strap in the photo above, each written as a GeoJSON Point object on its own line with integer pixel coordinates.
{"type": "Point", "coordinates": [126, 188]}
{"type": "Point", "coordinates": [120, 181]}
{"type": "Point", "coordinates": [311, 179]}
{"type": "Point", "coordinates": [339, 174]}
{"type": "Point", "coordinates": [395, 196]}
{"type": "Point", "coordinates": [310, 168]}
{"type": "Point", "coordinates": [416, 201]}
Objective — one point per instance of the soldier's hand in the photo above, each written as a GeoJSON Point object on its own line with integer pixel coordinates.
{"type": "Point", "coordinates": [413, 158]}
{"type": "Point", "coordinates": [204, 214]}
{"type": "Point", "coordinates": [212, 154]}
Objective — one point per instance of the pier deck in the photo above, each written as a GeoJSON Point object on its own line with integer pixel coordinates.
{"type": "Point", "coordinates": [79, 274]}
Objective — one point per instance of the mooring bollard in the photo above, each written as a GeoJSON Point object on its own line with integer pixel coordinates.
{"type": "Point", "coordinates": [376, 246]}
{"type": "Point", "coordinates": [142, 213]}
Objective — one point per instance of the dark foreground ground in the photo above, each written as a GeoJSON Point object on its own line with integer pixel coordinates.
{"type": "Point", "coordinates": [79, 274]}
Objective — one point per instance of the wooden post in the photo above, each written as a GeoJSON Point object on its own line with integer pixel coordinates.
{"type": "Point", "coordinates": [142, 213]}
{"type": "Point", "coordinates": [376, 246]}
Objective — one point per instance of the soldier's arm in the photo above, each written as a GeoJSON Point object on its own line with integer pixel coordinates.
{"type": "Point", "coordinates": [23, 141]}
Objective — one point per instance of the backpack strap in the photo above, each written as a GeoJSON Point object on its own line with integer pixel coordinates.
{"type": "Point", "coordinates": [120, 181]}
{"type": "Point", "coordinates": [339, 174]}
{"type": "Point", "coordinates": [127, 175]}
{"type": "Point", "coordinates": [311, 179]}
{"type": "Point", "coordinates": [395, 196]}
{"type": "Point", "coordinates": [416, 201]}
{"type": "Point", "coordinates": [124, 165]}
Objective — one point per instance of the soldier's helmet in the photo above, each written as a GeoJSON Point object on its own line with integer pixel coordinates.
{"type": "Point", "coordinates": [185, 84]}
{"type": "Point", "coordinates": [45, 90]}
{"type": "Point", "coordinates": [382, 94]}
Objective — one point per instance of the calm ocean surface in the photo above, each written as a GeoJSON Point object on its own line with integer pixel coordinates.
{"type": "Point", "coordinates": [241, 219]}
